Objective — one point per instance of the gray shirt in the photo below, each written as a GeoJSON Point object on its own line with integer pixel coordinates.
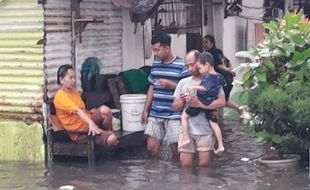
{"type": "Point", "coordinates": [198, 125]}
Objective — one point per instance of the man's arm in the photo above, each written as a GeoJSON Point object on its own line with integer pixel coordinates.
{"type": "Point", "coordinates": [224, 68]}
{"type": "Point", "coordinates": [179, 99]}
{"type": "Point", "coordinates": [178, 104]}
{"type": "Point", "coordinates": [167, 84]}
{"type": "Point", "coordinates": [147, 105]}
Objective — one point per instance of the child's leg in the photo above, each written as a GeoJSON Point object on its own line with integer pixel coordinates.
{"type": "Point", "coordinates": [189, 112]}
{"type": "Point", "coordinates": [218, 134]}
{"type": "Point", "coordinates": [185, 133]}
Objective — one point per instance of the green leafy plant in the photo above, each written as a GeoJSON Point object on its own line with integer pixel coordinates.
{"type": "Point", "coordinates": [278, 86]}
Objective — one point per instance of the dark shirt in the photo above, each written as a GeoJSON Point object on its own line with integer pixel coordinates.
{"type": "Point", "coordinates": [220, 59]}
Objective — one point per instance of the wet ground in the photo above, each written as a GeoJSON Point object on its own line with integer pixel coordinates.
{"type": "Point", "coordinates": [131, 169]}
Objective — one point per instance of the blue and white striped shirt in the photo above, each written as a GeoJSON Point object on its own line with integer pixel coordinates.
{"type": "Point", "coordinates": [163, 98]}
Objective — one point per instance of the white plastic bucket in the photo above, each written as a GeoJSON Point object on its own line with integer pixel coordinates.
{"type": "Point", "coordinates": [132, 107]}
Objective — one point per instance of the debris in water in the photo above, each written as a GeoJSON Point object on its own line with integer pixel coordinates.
{"type": "Point", "coordinates": [245, 159]}
{"type": "Point", "coordinates": [67, 187]}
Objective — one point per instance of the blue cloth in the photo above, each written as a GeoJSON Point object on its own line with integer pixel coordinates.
{"type": "Point", "coordinates": [163, 98]}
{"type": "Point", "coordinates": [91, 67]}
{"type": "Point", "coordinates": [213, 84]}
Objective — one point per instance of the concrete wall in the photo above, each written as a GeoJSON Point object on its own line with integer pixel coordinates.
{"type": "Point", "coordinates": [134, 45]}
{"type": "Point", "coordinates": [178, 44]}
{"type": "Point", "coordinates": [218, 26]}
{"type": "Point", "coordinates": [239, 32]}
{"type": "Point", "coordinates": [234, 37]}
{"type": "Point", "coordinates": [215, 19]}
{"type": "Point", "coordinates": [21, 141]}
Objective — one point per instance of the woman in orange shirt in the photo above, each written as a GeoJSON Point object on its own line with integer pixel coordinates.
{"type": "Point", "coordinates": [72, 113]}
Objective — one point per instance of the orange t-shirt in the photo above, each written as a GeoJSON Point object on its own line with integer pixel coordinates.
{"type": "Point", "coordinates": [65, 104]}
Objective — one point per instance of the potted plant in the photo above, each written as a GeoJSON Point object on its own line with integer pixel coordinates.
{"type": "Point", "coordinates": [278, 86]}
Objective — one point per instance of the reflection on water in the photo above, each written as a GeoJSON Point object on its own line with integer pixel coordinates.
{"type": "Point", "coordinates": [22, 175]}
{"type": "Point", "coordinates": [133, 170]}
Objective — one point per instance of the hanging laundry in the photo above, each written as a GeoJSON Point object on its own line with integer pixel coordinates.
{"type": "Point", "coordinates": [135, 6]}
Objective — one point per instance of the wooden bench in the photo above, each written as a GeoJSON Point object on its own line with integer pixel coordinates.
{"type": "Point", "coordinates": [59, 143]}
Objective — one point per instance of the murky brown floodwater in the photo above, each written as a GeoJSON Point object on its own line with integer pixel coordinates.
{"type": "Point", "coordinates": [133, 170]}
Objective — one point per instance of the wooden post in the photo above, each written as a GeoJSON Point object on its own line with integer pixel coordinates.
{"type": "Point", "coordinates": [219, 116]}
{"type": "Point", "coordinates": [49, 148]}
{"type": "Point", "coordinates": [91, 150]}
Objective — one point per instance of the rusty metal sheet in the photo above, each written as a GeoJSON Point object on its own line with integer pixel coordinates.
{"type": "Point", "coordinates": [58, 48]}
{"type": "Point", "coordinates": [21, 117]}
{"type": "Point", "coordinates": [21, 60]}
{"type": "Point", "coordinates": [103, 39]}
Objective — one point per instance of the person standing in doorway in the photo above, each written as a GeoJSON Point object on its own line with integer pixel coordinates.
{"type": "Point", "coordinates": [158, 116]}
{"type": "Point", "coordinates": [222, 65]}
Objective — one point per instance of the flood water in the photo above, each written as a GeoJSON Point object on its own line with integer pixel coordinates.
{"type": "Point", "coordinates": [132, 169]}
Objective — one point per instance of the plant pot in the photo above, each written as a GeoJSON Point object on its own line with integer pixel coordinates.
{"type": "Point", "coordinates": [288, 161]}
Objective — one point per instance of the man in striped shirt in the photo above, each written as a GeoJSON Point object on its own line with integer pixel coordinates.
{"type": "Point", "coordinates": [158, 116]}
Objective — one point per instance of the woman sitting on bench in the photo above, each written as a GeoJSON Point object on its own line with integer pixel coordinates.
{"type": "Point", "coordinates": [73, 116]}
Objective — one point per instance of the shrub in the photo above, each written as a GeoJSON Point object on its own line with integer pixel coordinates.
{"type": "Point", "coordinates": [278, 87]}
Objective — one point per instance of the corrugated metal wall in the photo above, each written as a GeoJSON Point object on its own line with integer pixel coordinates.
{"type": "Point", "coordinates": [102, 40]}
{"type": "Point", "coordinates": [21, 60]}
{"type": "Point", "coordinates": [58, 48]}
